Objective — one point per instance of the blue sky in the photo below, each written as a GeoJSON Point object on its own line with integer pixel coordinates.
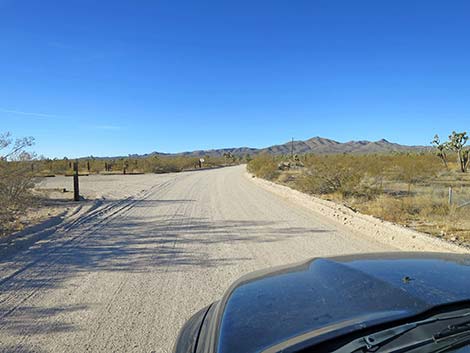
{"type": "Point", "coordinates": [118, 77]}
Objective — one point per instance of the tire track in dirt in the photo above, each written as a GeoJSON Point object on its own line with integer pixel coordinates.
{"type": "Point", "coordinates": [89, 223]}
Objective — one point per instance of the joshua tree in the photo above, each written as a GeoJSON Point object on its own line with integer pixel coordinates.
{"type": "Point", "coordinates": [229, 156]}
{"type": "Point", "coordinates": [457, 141]}
{"type": "Point", "coordinates": [466, 158]}
{"type": "Point", "coordinates": [441, 149]}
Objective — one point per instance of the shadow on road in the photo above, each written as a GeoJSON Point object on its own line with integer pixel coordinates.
{"type": "Point", "coordinates": [31, 320]}
{"type": "Point", "coordinates": [143, 244]}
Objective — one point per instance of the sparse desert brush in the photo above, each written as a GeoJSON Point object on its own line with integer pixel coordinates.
{"type": "Point", "coordinates": [264, 166]}
{"type": "Point", "coordinates": [16, 179]}
{"type": "Point", "coordinates": [354, 175]}
{"type": "Point", "coordinates": [404, 209]}
{"type": "Point", "coordinates": [385, 207]}
{"type": "Point", "coordinates": [413, 169]}
{"type": "Point", "coordinates": [288, 177]}
{"type": "Point", "coordinates": [407, 188]}
{"type": "Point", "coordinates": [343, 174]}
{"type": "Point", "coordinates": [150, 164]}
{"type": "Point", "coordinates": [366, 174]}
{"type": "Point", "coordinates": [435, 208]}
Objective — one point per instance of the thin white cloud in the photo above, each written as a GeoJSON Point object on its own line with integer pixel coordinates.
{"type": "Point", "coordinates": [38, 115]}
{"type": "Point", "coordinates": [53, 116]}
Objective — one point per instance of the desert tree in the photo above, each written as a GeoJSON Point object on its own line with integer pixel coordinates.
{"type": "Point", "coordinates": [441, 149]}
{"type": "Point", "coordinates": [229, 158]}
{"type": "Point", "coordinates": [457, 141]}
{"type": "Point", "coordinates": [466, 158]}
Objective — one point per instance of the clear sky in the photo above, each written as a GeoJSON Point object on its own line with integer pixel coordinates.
{"type": "Point", "coordinates": [118, 77]}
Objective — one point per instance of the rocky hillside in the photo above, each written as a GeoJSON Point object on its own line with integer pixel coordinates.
{"type": "Point", "coordinates": [314, 145]}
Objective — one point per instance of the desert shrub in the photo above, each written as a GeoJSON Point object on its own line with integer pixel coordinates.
{"type": "Point", "coordinates": [413, 169]}
{"type": "Point", "coordinates": [16, 179]}
{"type": "Point", "coordinates": [149, 164]}
{"type": "Point", "coordinates": [336, 174]}
{"type": "Point", "coordinates": [264, 166]}
{"type": "Point", "coordinates": [327, 180]}
{"type": "Point", "coordinates": [365, 175]}
{"type": "Point", "coordinates": [287, 178]}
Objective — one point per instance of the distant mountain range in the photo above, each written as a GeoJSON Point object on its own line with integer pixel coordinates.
{"type": "Point", "coordinates": [317, 144]}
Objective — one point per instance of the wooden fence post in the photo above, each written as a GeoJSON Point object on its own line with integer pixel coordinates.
{"type": "Point", "coordinates": [450, 195]}
{"type": "Point", "coordinates": [76, 192]}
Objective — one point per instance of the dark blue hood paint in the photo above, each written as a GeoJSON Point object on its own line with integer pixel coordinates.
{"type": "Point", "coordinates": [319, 298]}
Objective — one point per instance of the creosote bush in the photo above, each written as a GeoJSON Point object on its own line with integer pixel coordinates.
{"type": "Point", "coordinates": [264, 166]}
{"type": "Point", "coordinates": [16, 179]}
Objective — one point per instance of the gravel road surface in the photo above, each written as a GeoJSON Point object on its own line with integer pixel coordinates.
{"type": "Point", "coordinates": [127, 273]}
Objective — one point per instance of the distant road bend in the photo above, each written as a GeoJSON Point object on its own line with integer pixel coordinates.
{"type": "Point", "coordinates": [125, 276]}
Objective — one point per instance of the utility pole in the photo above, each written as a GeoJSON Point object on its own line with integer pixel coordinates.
{"type": "Point", "coordinates": [292, 149]}
{"type": "Point", "coordinates": [76, 192]}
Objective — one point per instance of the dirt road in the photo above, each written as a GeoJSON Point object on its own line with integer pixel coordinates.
{"type": "Point", "coordinates": [124, 276]}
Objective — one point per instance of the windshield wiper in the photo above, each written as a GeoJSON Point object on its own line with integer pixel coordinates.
{"type": "Point", "coordinates": [452, 330]}
{"type": "Point", "coordinates": [460, 341]}
{"type": "Point", "coordinates": [374, 341]}
{"type": "Point", "coordinates": [451, 337]}
{"type": "Point", "coordinates": [459, 332]}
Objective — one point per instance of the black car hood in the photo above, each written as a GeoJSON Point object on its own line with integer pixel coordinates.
{"type": "Point", "coordinates": [322, 298]}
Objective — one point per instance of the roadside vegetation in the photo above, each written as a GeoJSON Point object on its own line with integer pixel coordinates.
{"type": "Point", "coordinates": [129, 165]}
{"type": "Point", "coordinates": [16, 180]}
{"type": "Point", "coordinates": [427, 191]}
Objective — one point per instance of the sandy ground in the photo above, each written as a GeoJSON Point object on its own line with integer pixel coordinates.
{"type": "Point", "coordinates": [123, 273]}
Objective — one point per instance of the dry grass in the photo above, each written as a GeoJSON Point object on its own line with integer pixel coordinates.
{"type": "Point", "coordinates": [408, 189]}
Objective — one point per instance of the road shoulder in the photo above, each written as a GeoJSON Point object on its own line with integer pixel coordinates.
{"type": "Point", "coordinates": [387, 233]}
